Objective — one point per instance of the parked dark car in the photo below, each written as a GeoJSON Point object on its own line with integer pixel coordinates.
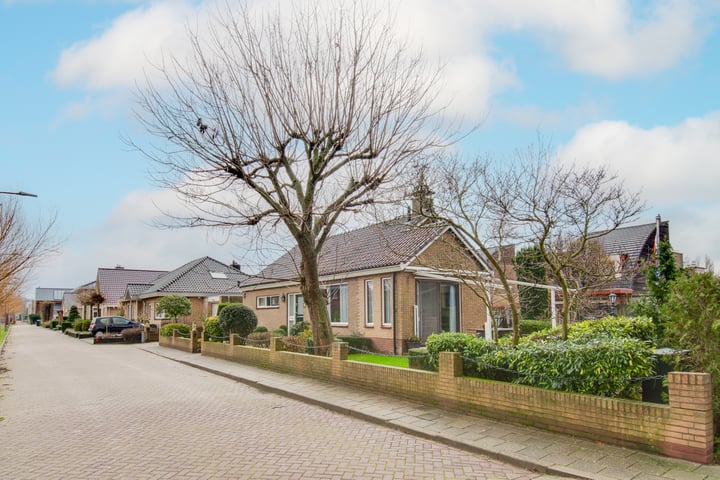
{"type": "Point", "coordinates": [102, 325]}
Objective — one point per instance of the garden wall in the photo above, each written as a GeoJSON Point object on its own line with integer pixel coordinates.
{"type": "Point", "coordinates": [682, 429]}
{"type": "Point", "coordinates": [191, 345]}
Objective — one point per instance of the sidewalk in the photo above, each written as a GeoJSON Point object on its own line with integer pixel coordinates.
{"type": "Point", "coordinates": [546, 452]}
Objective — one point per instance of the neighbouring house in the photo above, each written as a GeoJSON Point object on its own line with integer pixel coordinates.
{"type": "Point", "coordinates": [49, 302]}
{"type": "Point", "coordinates": [386, 282]}
{"type": "Point", "coordinates": [631, 249]}
{"type": "Point", "coordinates": [205, 281]}
{"type": "Point", "coordinates": [112, 283]}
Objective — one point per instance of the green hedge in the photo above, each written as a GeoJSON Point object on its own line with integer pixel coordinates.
{"type": "Point", "coordinates": [356, 342]}
{"type": "Point", "coordinates": [531, 326]}
{"type": "Point", "coordinates": [81, 325]}
{"type": "Point", "coordinates": [182, 328]}
{"type": "Point", "coordinates": [605, 357]}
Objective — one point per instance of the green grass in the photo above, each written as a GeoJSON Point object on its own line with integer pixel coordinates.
{"type": "Point", "coordinates": [3, 333]}
{"type": "Point", "coordinates": [379, 359]}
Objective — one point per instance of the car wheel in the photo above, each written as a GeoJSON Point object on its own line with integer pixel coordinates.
{"type": "Point", "coordinates": [99, 334]}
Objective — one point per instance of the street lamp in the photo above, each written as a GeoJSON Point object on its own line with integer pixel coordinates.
{"type": "Point", "coordinates": [20, 193]}
{"type": "Point", "coordinates": [612, 297]}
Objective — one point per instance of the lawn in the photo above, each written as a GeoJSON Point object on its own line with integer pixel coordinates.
{"type": "Point", "coordinates": [389, 360]}
{"type": "Point", "coordinates": [3, 333]}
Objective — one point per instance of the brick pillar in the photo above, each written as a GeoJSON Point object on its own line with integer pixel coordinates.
{"type": "Point", "coordinates": [690, 431]}
{"type": "Point", "coordinates": [234, 339]}
{"type": "Point", "coordinates": [451, 365]}
{"type": "Point", "coordinates": [194, 344]}
{"type": "Point", "coordinates": [275, 344]}
{"type": "Point", "coordinates": [339, 353]}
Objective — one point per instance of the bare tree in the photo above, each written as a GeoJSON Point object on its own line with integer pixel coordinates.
{"type": "Point", "coordinates": [461, 199]}
{"type": "Point", "coordinates": [22, 247]}
{"type": "Point", "coordinates": [563, 208]}
{"type": "Point", "coordinates": [291, 118]}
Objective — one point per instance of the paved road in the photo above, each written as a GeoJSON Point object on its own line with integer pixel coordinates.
{"type": "Point", "coordinates": [74, 410]}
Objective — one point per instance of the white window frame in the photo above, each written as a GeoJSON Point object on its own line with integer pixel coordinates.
{"type": "Point", "coordinates": [369, 303]}
{"type": "Point", "coordinates": [387, 301]}
{"type": "Point", "coordinates": [267, 301]}
{"type": "Point", "coordinates": [344, 303]}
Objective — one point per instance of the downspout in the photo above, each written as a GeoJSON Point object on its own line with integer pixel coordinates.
{"type": "Point", "coordinates": [394, 328]}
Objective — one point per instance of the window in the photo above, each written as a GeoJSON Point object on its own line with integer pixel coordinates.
{"type": "Point", "coordinates": [269, 301]}
{"type": "Point", "coordinates": [369, 302]}
{"type": "Point", "coordinates": [218, 275]}
{"type": "Point", "coordinates": [338, 304]}
{"type": "Point", "coordinates": [387, 301]}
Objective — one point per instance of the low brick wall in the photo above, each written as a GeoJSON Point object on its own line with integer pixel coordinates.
{"type": "Point", "coordinates": [191, 345]}
{"type": "Point", "coordinates": [682, 429]}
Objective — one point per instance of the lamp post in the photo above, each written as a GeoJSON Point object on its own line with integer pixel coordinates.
{"type": "Point", "coordinates": [612, 297]}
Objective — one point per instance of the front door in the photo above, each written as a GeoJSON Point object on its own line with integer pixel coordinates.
{"type": "Point", "coordinates": [296, 308]}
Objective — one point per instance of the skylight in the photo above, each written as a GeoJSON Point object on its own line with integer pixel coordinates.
{"type": "Point", "coordinates": [218, 275]}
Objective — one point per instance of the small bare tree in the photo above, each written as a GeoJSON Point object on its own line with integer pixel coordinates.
{"type": "Point", "coordinates": [461, 199]}
{"type": "Point", "coordinates": [563, 208]}
{"type": "Point", "coordinates": [22, 247]}
{"type": "Point", "coordinates": [291, 118]}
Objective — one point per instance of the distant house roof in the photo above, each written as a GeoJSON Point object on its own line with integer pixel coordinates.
{"type": "Point", "coordinates": [636, 244]}
{"type": "Point", "coordinates": [380, 245]}
{"type": "Point", "coordinates": [201, 277]}
{"type": "Point", "coordinates": [112, 282]}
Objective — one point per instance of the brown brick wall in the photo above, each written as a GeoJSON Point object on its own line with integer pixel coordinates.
{"type": "Point", "coordinates": [682, 429]}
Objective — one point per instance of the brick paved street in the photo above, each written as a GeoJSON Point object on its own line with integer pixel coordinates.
{"type": "Point", "coordinates": [74, 410]}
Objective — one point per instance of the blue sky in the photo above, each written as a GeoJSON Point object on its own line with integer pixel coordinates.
{"type": "Point", "coordinates": [631, 85]}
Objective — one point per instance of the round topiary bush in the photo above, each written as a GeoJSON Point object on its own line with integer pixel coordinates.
{"type": "Point", "coordinates": [237, 318]}
{"type": "Point", "coordinates": [213, 332]}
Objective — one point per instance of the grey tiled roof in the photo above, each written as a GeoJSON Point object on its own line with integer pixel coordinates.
{"type": "Point", "coordinates": [380, 245]}
{"type": "Point", "coordinates": [114, 281]}
{"type": "Point", "coordinates": [202, 277]}
{"type": "Point", "coordinates": [636, 241]}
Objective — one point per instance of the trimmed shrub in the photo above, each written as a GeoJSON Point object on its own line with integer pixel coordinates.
{"type": "Point", "coordinates": [212, 330]}
{"type": "Point", "coordinates": [133, 335]}
{"type": "Point", "coordinates": [73, 315]}
{"type": "Point", "coordinates": [260, 329]}
{"type": "Point", "coordinates": [81, 325]}
{"type": "Point", "coordinates": [66, 326]}
{"type": "Point", "coordinates": [167, 329]}
{"type": "Point", "coordinates": [356, 342]}
{"type": "Point", "coordinates": [296, 344]}
{"type": "Point", "coordinates": [280, 331]}
{"type": "Point", "coordinates": [237, 318]}
{"type": "Point", "coordinates": [597, 367]}
{"type": "Point", "coordinates": [258, 339]}
{"type": "Point", "coordinates": [282, 327]}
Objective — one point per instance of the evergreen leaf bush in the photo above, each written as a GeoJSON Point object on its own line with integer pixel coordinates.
{"type": "Point", "coordinates": [182, 328]}
{"type": "Point", "coordinates": [212, 330]}
{"type": "Point", "coordinates": [237, 318]}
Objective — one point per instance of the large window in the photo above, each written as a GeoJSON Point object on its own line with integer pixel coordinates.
{"type": "Point", "coordinates": [369, 302]}
{"type": "Point", "coordinates": [387, 305]}
{"type": "Point", "coordinates": [269, 301]}
{"type": "Point", "coordinates": [338, 304]}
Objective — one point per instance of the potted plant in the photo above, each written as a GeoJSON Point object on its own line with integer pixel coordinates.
{"type": "Point", "coordinates": [413, 341]}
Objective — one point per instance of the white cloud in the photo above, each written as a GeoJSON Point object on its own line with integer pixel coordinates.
{"type": "Point", "coordinates": [674, 167]}
{"type": "Point", "coordinates": [118, 57]}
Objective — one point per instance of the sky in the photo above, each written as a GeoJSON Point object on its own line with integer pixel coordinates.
{"type": "Point", "coordinates": [630, 85]}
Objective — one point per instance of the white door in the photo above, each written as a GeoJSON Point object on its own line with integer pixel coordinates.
{"type": "Point", "coordinates": [295, 309]}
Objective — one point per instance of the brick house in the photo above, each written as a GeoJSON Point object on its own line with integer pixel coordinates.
{"type": "Point", "coordinates": [112, 283]}
{"type": "Point", "coordinates": [205, 281]}
{"type": "Point", "coordinates": [385, 282]}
